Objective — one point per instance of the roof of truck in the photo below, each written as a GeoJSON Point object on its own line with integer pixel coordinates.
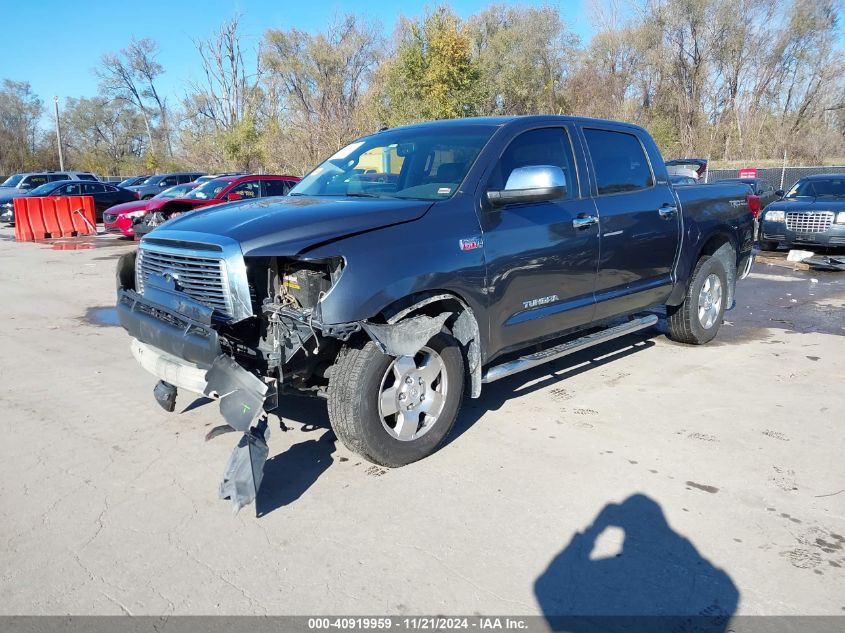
{"type": "Point", "coordinates": [504, 120]}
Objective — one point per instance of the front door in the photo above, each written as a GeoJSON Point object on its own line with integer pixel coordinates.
{"type": "Point", "coordinates": [640, 225]}
{"type": "Point", "coordinates": [541, 268]}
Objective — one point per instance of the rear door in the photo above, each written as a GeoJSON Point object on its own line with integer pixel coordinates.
{"type": "Point", "coordinates": [640, 223]}
{"type": "Point", "coordinates": [98, 191]}
{"type": "Point", "coordinates": [541, 268]}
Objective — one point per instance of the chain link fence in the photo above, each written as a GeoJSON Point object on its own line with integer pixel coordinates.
{"type": "Point", "coordinates": [779, 177]}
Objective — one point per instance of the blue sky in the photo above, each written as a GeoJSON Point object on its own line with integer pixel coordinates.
{"type": "Point", "coordinates": [55, 45]}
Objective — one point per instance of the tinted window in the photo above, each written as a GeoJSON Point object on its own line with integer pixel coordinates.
{"type": "Point", "coordinates": [110, 188]}
{"type": "Point", "coordinates": [91, 187]}
{"type": "Point", "coordinates": [86, 176]}
{"type": "Point", "coordinates": [619, 161]}
{"type": "Point", "coordinates": [169, 181]}
{"type": "Point", "coordinates": [548, 146]}
{"type": "Point", "coordinates": [56, 177]}
{"type": "Point", "coordinates": [276, 187]}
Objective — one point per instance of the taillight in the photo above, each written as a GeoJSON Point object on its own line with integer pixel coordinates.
{"type": "Point", "coordinates": [753, 204]}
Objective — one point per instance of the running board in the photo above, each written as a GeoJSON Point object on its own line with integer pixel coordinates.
{"type": "Point", "coordinates": [538, 358]}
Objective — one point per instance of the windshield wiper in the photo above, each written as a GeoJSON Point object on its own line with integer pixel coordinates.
{"type": "Point", "coordinates": [361, 194]}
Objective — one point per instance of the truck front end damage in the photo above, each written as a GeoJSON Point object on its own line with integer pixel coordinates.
{"type": "Point", "coordinates": [204, 320]}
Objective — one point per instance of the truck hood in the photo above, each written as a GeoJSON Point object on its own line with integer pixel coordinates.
{"type": "Point", "coordinates": [808, 204]}
{"type": "Point", "coordinates": [289, 225]}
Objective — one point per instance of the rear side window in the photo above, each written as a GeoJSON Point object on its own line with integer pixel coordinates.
{"type": "Point", "coordinates": [86, 177]}
{"type": "Point", "coordinates": [619, 161]}
{"type": "Point", "coordinates": [276, 187]}
{"type": "Point", "coordinates": [90, 187]}
{"type": "Point", "coordinates": [57, 177]}
{"type": "Point", "coordinates": [546, 146]}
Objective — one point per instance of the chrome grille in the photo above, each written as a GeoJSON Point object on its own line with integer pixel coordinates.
{"type": "Point", "coordinates": [201, 278]}
{"type": "Point", "coordinates": [812, 222]}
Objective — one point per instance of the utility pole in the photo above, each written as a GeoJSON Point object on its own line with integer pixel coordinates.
{"type": "Point", "coordinates": [59, 133]}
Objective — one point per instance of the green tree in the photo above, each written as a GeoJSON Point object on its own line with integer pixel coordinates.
{"type": "Point", "coordinates": [433, 74]}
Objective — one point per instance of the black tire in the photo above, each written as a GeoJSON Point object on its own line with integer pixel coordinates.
{"type": "Point", "coordinates": [354, 391]}
{"type": "Point", "coordinates": [768, 246]}
{"type": "Point", "coordinates": [684, 323]}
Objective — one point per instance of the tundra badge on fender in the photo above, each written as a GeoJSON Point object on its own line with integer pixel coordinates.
{"type": "Point", "coordinates": [533, 303]}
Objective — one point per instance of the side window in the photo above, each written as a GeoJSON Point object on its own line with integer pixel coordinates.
{"type": "Point", "coordinates": [248, 189]}
{"type": "Point", "coordinates": [71, 189]}
{"type": "Point", "coordinates": [619, 161]}
{"type": "Point", "coordinates": [89, 188]}
{"type": "Point", "coordinates": [57, 177]}
{"type": "Point", "coordinates": [276, 187]}
{"type": "Point", "coordinates": [546, 146]}
{"type": "Point", "coordinates": [169, 181]}
{"type": "Point", "coordinates": [37, 180]}
{"type": "Point", "coordinates": [86, 176]}
{"type": "Point", "coordinates": [183, 178]}
{"type": "Point", "coordinates": [110, 188]}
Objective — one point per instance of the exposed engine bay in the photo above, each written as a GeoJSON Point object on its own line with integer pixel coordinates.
{"type": "Point", "coordinates": [185, 337]}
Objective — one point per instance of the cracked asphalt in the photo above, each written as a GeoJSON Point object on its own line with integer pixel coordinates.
{"type": "Point", "coordinates": [642, 476]}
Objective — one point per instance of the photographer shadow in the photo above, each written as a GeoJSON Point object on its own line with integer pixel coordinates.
{"type": "Point", "coordinates": [650, 579]}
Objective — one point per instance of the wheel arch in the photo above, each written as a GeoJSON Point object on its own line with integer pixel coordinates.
{"type": "Point", "coordinates": [721, 244]}
{"type": "Point", "coordinates": [460, 319]}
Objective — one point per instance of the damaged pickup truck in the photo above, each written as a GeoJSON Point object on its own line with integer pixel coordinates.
{"type": "Point", "coordinates": [415, 265]}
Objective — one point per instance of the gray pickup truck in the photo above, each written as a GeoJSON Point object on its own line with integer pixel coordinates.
{"type": "Point", "coordinates": [416, 264]}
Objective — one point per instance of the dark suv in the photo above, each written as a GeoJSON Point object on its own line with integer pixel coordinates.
{"type": "Point", "coordinates": [158, 183]}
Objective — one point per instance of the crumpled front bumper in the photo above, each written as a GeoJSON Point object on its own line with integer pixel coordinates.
{"type": "Point", "coordinates": [164, 325]}
{"type": "Point", "coordinates": [173, 339]}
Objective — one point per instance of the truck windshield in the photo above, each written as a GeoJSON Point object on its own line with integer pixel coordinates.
{"type": "Point", "coordinates": [814, 188]}
{"type": "Point", "coordinates": [422, 164]}
{"type": "Point", "coordinates": [11, 181]}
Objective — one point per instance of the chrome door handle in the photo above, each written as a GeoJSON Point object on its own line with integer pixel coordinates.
{"type": "Point", "coordinates": [667, 212]}
{"type": "Point", "coordinates": [584, 222]}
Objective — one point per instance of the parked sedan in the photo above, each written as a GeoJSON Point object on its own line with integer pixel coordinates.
{"type": "Point", "coordinates": [123, 218]}
{"type": "Point", "coordinates": [217, 191]}
{"type": "Point", "coordinates": [761, 188]}
{"type": "Point", "coordinates": [104, 195]}
{"type": "Point", "coordinates": [811, 214]}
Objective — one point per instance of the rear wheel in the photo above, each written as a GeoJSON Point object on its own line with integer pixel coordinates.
{"type": "Point", "coordinates": [697, 319]}
{"type": "Point", "coordinates": [396, 410]}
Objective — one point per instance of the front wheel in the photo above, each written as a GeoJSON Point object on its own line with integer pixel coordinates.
{"type": "Point", "coordinates": [396, 410]}
{"type": "Point", "coordinates": [697, 319]}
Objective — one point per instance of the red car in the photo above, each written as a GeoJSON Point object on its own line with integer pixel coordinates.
{"type": "Point", "coordinates": [122, 218]}
{"type": "Point", "coordinates": [217, 191]}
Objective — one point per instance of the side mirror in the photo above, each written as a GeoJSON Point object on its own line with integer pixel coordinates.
{"type": "Point", "coordinates": [233, 196]}
{"type": "Point", "coordinates": [780, 193]}
{"type": "Point", "coordinates": [534, 183]}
